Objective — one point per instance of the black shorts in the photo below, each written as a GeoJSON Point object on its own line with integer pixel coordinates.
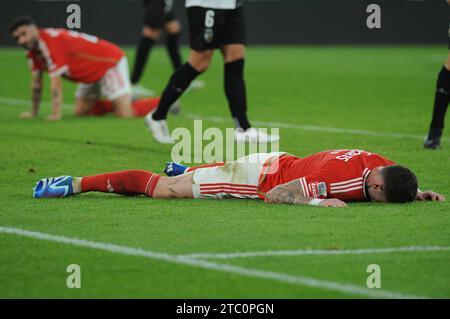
{"type": "Point", "coordinates": [158, 13]}
{"type": "Point", "coordinates": [213, 28]}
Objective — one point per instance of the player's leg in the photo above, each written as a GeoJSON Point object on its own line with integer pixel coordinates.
{"type": "Point", "coordinates": [232, 40]}
{"type": "Point", "coordinates": [441, 101]}
{"type": "Point", "coordinates": [138, 182]}
{"type": "Point", "coordinates": [128, 182]}
{"type": "Point", "coordinates": [86, 97]}
{"type": "Point", "coordinates": [122, 106]}
{"type": "Point", "coordinates": [237, 179]}
{"type": "Point", "coordinates": [141, 107]}
{"type": "Point", "coordinates": [85, 106]}
{"type": "Point", "coordinates": [151, 30]}
{"type": "Point", "coordinates": [234, 84]}
{"type": "Point", "coordinates": [174, 187]}
{"type": "Point", "coordinates": [115, 86]}
{"type": "Point", "coordinates": [178, 83]}
{"type": "Point", "coordinates": [148, 38]}
{"type": "Point", "coordinates": [198, 63]}
{"type": "Point", "coordinates": [199, 60]}
{"type": "Point", "coordinates": [173, 30]}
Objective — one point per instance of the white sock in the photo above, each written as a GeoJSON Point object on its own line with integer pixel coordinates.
{"type": "Point", "coordinates": [76, 185]}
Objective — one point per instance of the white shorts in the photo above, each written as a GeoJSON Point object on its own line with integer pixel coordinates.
{"type": "Point", "coordinates": [113, 84]}
{"type": "Point", "coordinates": [237, 179]}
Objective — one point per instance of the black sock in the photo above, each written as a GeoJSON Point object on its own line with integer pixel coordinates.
{"type": "Point", "coordinates": [178, 83]}
{"type": "Point", "coordinates": [441, 100]}
{"type": "Point", "coordinates": [173, 48]}
{"type": "Point", "coordinates": [235, 92]}
{"type": "Point", "coordinates": [142, 53]}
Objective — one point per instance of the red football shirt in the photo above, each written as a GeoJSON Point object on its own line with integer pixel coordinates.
{"type": "Point", "coordinates": [338, 174]}
{"type": "Point", "coordinates": [76, 56]}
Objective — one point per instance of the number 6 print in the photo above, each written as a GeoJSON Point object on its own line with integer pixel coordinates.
{"type": "Point", "coordinates": [209, 18]}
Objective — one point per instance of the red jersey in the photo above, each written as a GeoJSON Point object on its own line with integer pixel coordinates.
{"type": "Point", "coordinates": [337, 174]}
{"type": "Point", "coordinates": [76, 56]}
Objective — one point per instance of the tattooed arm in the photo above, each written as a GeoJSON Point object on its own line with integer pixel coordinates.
{"type": "Point", "coordinates": [56, 93]}
{"type": "Point", "coordinates": [36, 90]}
{"type": "Point", "coordinates": [292, 193]}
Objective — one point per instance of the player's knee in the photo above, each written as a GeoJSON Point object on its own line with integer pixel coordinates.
{"type": "Point", "coordinates": [233, 56]}
{"type": "Point", "coordinates": [200, 63]}
{"type": "Point", "coordinates": [172, 27]}
{"type": "Point", "coordinates": [124, 112]}
{"type": "Point", "coordinates": [202, 67]}
{"type": "Point", "coordinates": [122, 106]}
{"type": "Point", "coordinates": [233, 53]}
{"type": "Point", "coordinates": [150, 33]}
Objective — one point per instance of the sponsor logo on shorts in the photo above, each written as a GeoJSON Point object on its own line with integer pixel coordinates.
{"type": "Point", "coordinates": [209, 35]}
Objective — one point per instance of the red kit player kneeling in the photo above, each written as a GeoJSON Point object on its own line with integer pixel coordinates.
{"type": "Point", "coordinates": [99, 67]}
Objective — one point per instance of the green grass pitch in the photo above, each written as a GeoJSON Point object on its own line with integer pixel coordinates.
{"type": "Point", "coordinates": [386, 91]}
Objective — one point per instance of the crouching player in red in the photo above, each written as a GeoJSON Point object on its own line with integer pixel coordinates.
{"type": "Point", "coordinates": [99, 67]}
{"type": "Point", "coordinates": [329, 178]}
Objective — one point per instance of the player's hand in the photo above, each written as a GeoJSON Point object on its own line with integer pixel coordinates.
{"type": "Point", "coordinates": [430, 195]}
{"type": "Point", "coordinates": [333, 202]}
{"type": "Point", "coordinates": [27, 115]}
{"type": "Point", "coordinates": [52, 118]}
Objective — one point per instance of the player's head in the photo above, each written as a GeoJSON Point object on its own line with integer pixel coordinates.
{"type": "Point", "coordinates": [25, 32]}
{"type": "Point", "coordinates": [392, 184]}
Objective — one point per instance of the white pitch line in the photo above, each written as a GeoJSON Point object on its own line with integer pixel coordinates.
{"type": "Point", "coordinates": [218, 119]}
{"type": "Point", "coordinates": [255, 273]}
{"type": "Point", "coordinates": [302, 252]}
{"type": "Point", "coordinates": [313, 128]}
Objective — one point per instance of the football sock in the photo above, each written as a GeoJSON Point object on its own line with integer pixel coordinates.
{"type": "Point", "coordinates": [173, 48]}
{"type": "Point", "coordinates": [101, 107]}
{"type": "Point", "coordinates": [141, 107]}
{"type": "Point", "coordinates": [129, 182]}
{"type": "Point", "coordinates": [235, 92]}
{"type": "Point", "coordinates": [178, 83]}
{"type": "Point", "coordinates": [142, 53]}
{"type": "Point", "coordinates": [193, 168]}
{"type": "Point", "coordinates": [441, 99]}
{"type": "Point", "coordinates": [76, 185]}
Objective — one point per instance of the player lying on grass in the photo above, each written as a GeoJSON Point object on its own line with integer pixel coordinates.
{"type": "Point", "coordinates": [100, 68]}
{"type": "Point", "coordinates": [328, 178]}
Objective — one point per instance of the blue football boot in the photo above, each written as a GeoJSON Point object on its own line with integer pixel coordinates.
{"type": "Point", "coordinates": [174, 169]}
{"type": "Point", "coordinates": [53, 187]}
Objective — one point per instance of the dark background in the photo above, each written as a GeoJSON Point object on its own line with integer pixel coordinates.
{"type": "Point", "coordinates": [268, 22]}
